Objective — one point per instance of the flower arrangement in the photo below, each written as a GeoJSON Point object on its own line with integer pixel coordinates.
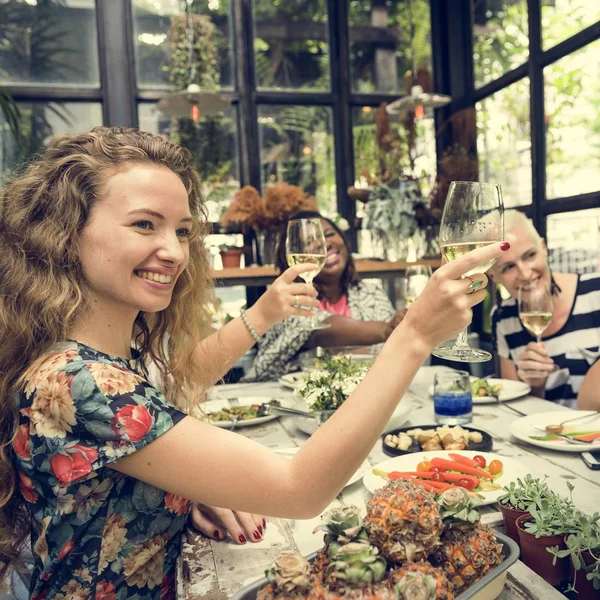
{"type": "Point", "coordinates": [328, 388]}
{"type": "Point", "coordinates": [248, 210]}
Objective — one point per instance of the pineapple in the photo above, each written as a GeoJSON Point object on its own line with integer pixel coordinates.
{"type": "Point", "coordinates": [403, 520]}
{"type": "Point", "coordinates": [342, 525]}
{"type": "Point", "coordinates": [466, 555]}
{"type": "Point", "coordinates": [355, 572]}
{"type": "Point", "coordinates": [420, 581]}
{"type": "Point", "coordinates": [289, 578]}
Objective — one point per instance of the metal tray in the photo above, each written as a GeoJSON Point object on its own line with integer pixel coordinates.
{"type": "Point", "coordinates": [488, 587]}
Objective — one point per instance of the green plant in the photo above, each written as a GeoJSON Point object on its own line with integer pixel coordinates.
{"type": "Point", "coordinates": [330, 386]}
{"type": "Point", "coordinates": [554, 515]}
{"type": "Point", "coordinates": [525, 492]}
{"type": "Point", "coordinates": [10, 111]}
{"type": "Point", "coordinates": [587, 539]}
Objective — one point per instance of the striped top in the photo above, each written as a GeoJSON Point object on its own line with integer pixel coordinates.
{"type": "Point", "coordinates": [575, 347]}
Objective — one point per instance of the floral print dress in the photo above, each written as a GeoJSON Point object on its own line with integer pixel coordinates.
{"type": "Point", "coordinates": [96, 533]}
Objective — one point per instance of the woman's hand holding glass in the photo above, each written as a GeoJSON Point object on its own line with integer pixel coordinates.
{"type": "Point", "coordinates": [285, 297]}
{"type": "Point", "coordinates": [534, 365]}
{"type": "Point", "coordinates": [444, 307]}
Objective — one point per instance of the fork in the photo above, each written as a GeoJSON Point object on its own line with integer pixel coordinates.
{"type": "Point", "coordinates": [593, 414]}
{"type": "Point", "coordinates": [563, 437]}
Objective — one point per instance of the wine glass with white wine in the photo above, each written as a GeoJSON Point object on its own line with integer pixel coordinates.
{"type": "Point", "coordinates": [536, 308]}
{"type": "Point", "coordinates": [305, 243]}
{"type": "Point", "coordinates": [473, 217]}
{"type": "Point", "coordinates": [416, 278]}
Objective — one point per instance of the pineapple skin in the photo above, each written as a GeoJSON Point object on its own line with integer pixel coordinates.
{"type": "Point", "coordinates": [466, 556]}
{"type": "Point", "coordinates": [442, 585]}
{"type": "Point", "coordinates": [403, 520]}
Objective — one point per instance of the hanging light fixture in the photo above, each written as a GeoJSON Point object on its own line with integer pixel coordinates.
{"type": "Point", "coordinates": [193, 102]}
{"type": "Point", "coordinates": [418, 100]}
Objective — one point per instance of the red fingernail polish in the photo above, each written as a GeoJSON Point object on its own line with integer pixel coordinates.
{"type": "Point", "coordinates": [242, 539]}
{"type": "Point", "coordinates": [217, 534]}
{"type": "Point", "coordinates": [256, 535]}
{"type": "Point", "coordinates": [504, 246]}
{"type": "Point", "coordinates": [260, 529]}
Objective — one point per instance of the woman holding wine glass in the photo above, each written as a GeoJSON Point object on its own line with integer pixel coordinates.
{"type": "Point", "coordinates": [351, 312]}
{"type": "Point", "coordinates": [551, 338]}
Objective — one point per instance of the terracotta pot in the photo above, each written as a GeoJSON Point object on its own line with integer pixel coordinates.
{"type": "Point", "coordinates": [231, 257]}
{"type": "Point", "coordinates": [585, 587]}
{"type": "Point", "coordinates": [510, 516]}
{"type": "Point", "coordinates": [537, 558]}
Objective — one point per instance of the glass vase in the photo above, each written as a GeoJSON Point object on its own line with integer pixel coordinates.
{"type": "Point", "coordinates": [268, 241]}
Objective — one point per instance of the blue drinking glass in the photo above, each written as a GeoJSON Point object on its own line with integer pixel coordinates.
{"type": "Point", "coordinates": [452, 400]}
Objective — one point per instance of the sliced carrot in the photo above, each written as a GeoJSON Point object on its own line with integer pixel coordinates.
{"type": "Point", "coordinates": [587, 438]}
{"type": "Point", "coordinates": [407, 474]}
{"type": "Point", "coordinates": [448, 464]}
{"type": "Point", "coordinates": [465, 460]}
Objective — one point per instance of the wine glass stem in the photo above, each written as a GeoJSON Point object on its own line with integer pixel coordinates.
{"type": "Point", "coordinates": [461, 340]}
{"type": "Point", "coordinates": [539, 339]}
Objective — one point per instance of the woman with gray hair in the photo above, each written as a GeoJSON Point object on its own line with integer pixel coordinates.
{"type": "Point", "coordinates": [555, 368]}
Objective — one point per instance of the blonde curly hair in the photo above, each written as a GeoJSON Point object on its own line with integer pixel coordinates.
{"type": "Point", "coordinates": [42, 215]}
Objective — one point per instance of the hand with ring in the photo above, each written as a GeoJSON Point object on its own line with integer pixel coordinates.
{"type": "Point", "coordinates": [286, 297]}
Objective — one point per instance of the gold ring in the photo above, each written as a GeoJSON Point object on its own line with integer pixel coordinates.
{"type": "Point", "coordinates": [475, 284]}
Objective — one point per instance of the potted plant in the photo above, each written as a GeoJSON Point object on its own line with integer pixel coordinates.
{"type": "Point", "coordinates": [550, 521]}
{"type": "Point", "coordinates": [583, 549]}
{"type": "Point", "coordinates": [230, 255]}
{"type": "Point", "coordinates": [517, 499]}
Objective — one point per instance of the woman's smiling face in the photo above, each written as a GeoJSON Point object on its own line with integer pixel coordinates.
{"type": "Point", "coordinates": [134, 245]}
{"type": "Point", "coordinates": [525, 265]}
{"type": "Point", "coordinates": [337, 253]}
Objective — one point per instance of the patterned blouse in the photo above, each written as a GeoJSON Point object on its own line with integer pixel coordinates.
{"type": "Point", "coordinates": [281, 345]}
{"type": "Point", "coordinates": [97, 534]}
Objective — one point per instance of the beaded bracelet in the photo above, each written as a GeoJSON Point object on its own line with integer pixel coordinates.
{"type": "Point", "coordinates": [248, 325]}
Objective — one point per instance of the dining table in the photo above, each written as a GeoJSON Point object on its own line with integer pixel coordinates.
{"type": "Point", "coordinates": [216, 570]}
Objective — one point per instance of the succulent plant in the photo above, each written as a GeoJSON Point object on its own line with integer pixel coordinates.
{"type": "Point", "coordinates": [290, 574]}
{"type": "Point", "coordinates": [524, 493]}
{"type": "Point", "coordinates": [457, 509]}
{"type": "Point", "coordinates": [342, 525]}
{"type": "Point", "coordinates": [357, 564]}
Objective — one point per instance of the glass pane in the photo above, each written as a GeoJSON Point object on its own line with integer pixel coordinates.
{"type": "Point", "coordinates": [574, 241]}
{"type": "Point", "coordinates": [291, 47]}
{"type": "Point", "coordinates": [212, 141]}
{"type": "Point", "coordinates": [51, 42]}
{"type": "Point", "coordinates": [381, 54]}
{"type": "Point", "coordinates": [39, 122]}
{"type": "Point", "coordinates": [562, 19]}
{"type": "Point", "coordinates": [500, 38]}
{"type": "Point", "coordinates": [296, 145]}
{"type": "Point", "coordinates": [504, 142]}
{"type": "Point", "coordinates": [161, 44]}
{"type": "Point", "coordinates": [402, 152]}
{"type": "Point", "coordinates": [572, 93]}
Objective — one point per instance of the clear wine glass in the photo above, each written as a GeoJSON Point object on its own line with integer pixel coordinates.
{"type": "Point", "coordinates": [305, 243]}
{"type": "Point", "coordinates": [536, 308]}
{"type": "Point", "coordinates": [415, 278]}
{"type": "Point", "coordinates": [473, 217]}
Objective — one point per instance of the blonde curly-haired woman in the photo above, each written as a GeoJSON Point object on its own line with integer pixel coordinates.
{"type": "Point", "coordinates": [103, 270]}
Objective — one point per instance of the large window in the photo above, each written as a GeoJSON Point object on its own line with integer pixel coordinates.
{"type": "Point", "coordinates": [537, 91]}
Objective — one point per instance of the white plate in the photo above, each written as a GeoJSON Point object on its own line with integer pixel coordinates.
{"type": "Point", "coordinates": [511, 390]}
{"type": "Point", "coordinates": [290, 380]}
{"type": "Point", "coordinates": [398, 418]}
{"type": "Point", "coordinates": [358, 475]}
{"type": "Point", "coordinates": [220, 403]}
{"type": "Point", "coordinates": [512, 469]}
{"type": "Point", "coordinates": [524, 428]}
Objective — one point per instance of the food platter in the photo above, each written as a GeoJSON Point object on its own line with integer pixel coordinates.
{"type": "Point", "coordinates": [485, 445]}
{"type": "Point", "coordinates": [531, 430]}
{"type": "Point", "coordinates": [224, 405]}
{"type": "Point", "coordinates": [512, 469]}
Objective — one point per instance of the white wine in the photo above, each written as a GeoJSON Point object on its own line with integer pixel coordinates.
{"type": "Point", "coordinates": [536, 322]}
{"type": "Point", "coordinates": [453, 251]}
{"type": "Point", "coordinates": [302, 259]}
